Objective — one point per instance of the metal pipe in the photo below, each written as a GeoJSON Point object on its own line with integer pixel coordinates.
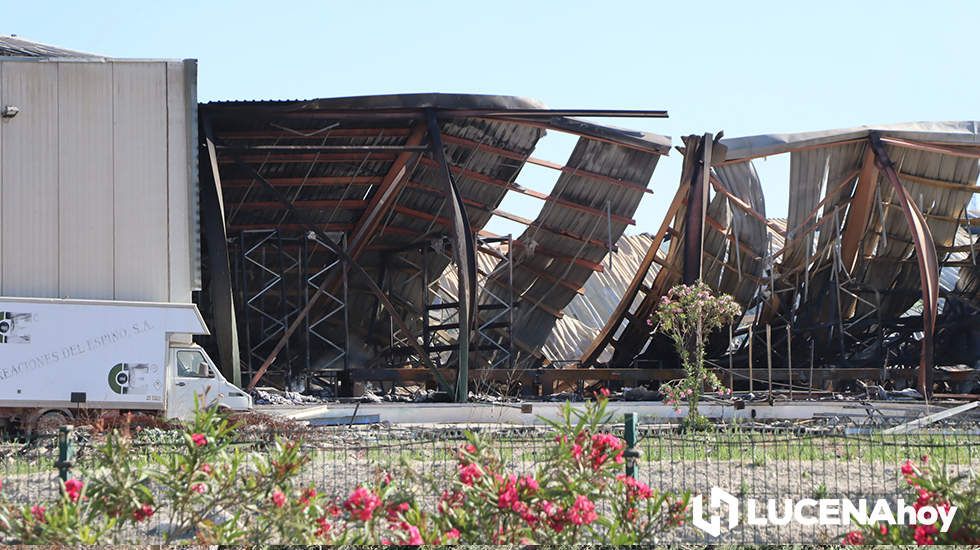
{"type": "Point", "coordinates": [731, 353]}
{"type": "Point", "coordinates": [609, 231]}
{"type": "Point", "coordinates": [789, 358]}
{"type": "Point", "coordinates": [751, 377]}
{"type": "Point", "coordinates": [769, 359]}
{"type": "Point", "coordinates": [326, 148]}
{"type": "Point", "coordinates": [810, 391]}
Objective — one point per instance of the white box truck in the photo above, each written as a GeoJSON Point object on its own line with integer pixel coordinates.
{"type": "Point", "coordinates": [59, 357]}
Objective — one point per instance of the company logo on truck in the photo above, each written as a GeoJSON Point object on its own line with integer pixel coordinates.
{"type": "Point", "coordinates": [13, 327]}
{"type": "Point", "coordinates": [130, 378]}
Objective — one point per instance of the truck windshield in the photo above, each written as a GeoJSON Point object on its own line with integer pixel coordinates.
{"type": "Point", "coordinates": [192, 364]}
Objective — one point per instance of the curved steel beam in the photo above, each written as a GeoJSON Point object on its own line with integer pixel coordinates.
{"type": "Point", "coordinates": [464, 250]}
{"type": "Point", "coordinates": [925, 253]}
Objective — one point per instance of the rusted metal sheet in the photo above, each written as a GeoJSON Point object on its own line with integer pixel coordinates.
{"type": "Point", "coordinates": [542, 251]}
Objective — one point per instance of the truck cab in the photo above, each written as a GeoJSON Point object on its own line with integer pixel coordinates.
{"type": "Point", "coordinates": [61, 356]}
{"type": "Point", "coordinates": [194, 375]}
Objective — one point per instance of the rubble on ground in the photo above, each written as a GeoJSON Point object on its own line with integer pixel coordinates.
{"type": "Point", "coordinates": [273, 396]}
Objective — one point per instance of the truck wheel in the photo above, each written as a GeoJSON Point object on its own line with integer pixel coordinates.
{"type": "Point", "coordinates": [48, 423]}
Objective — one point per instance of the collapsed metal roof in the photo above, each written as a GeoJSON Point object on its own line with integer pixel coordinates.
{"type": "Point", "coordinates": [402, 183]}
{"type": "Point", "coordinates": [868, 207]}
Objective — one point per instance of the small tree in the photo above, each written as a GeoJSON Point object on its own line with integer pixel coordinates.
{"type": "Point", "coordinates": [688, 314]}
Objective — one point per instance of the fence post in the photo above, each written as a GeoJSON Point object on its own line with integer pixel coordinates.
{"type": "Point", "coordinates": [66, 452]}
{"type": "Point", "coordinates": [631, 454]}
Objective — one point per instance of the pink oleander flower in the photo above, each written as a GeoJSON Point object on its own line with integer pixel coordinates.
{"type": "Point", "coordinates": [323, 526]}
{"type": "Point", "coordinates": [414, 537]}
{"type": "Point", "coordinates": [394, 510]}
{"type": "Point", "coordinates": [307, 496]}
{"type": "Point", "coordinates": [469, 474]}
{"type": "Point", "coordinates": [199, 440]}
{"type": "Point", "coordinates": [508, 495]}
{"type": "Point", "coordinates": [199, 488]}
{"type": "Point", "coordinates": [362, 503]}
{"type": "Point", "coordinates": [523, 510]}
{"type": "Point", "coordinates": [582, 512]}
{"type": "Point", "coordinates": [529, 484]}
{"type": "Point", "coordinates": [73, 488]}
{"type": "Point", "coordinates": [923, 535]}
{"type": "Point", "coordinates": [144, 512]}
{"type": "Point", "coordinates": [279, 499]}
{"type": "Point", "coordinates": [554, 515]}
{"type": "Point", "coordinates": [605, 446]}
{"type": "Point", "coordinates": [452, 534]}
{"type": "Point", "coordinates": [635, 488]}
{"type": "Point", "coordinates": [38, 512]}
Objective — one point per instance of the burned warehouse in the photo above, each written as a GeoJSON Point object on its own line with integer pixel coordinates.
{"type": "Point", "coordinates": [334, 245]}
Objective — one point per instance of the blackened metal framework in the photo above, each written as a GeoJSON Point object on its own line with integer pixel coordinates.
{"type": "Point", "coordinates": [492, 346]}
{"type": "Point", "coordinates": [277, 275]}
{"type": "Point", "coordinates": [345, 166]}
{"type": "Point", "coordinates": [846, 327]}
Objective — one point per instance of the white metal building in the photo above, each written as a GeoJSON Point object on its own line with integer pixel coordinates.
{"type": "Point", "coordinates": [98, 175]}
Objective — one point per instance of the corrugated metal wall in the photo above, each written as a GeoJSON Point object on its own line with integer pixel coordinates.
{"type": "Point", "coordinates": [97, 191]}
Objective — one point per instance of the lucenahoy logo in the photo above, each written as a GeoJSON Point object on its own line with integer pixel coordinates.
{"type": "Point", "coordinates": [808, 511]}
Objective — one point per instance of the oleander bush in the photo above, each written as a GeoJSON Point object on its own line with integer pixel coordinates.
{"type": "Point", "coordinates": [931, 485]}
{"type": "Point", "coordinates": [213, 492]}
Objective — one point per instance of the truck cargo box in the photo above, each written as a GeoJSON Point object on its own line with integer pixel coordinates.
{"type": "Point", "coordinates": [92, 354]}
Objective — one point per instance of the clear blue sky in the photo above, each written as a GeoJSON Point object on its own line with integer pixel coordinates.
{"type": "Point", "coordinates": [742, 67]}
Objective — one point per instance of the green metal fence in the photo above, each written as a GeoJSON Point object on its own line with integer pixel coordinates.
{"type": "Point", "coordinates": [757, 463]}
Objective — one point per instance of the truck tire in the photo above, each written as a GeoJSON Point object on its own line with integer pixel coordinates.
{"type": "Point", "coordinates": [48, 422]}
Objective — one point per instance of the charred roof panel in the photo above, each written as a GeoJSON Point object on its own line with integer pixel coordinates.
{"type": "Point", "coordinates": [339, 163]}
{"type": "Point", "coordinates": [594, 212]}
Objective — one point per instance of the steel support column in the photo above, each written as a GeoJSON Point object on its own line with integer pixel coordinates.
{"type": "Point", "coordinates": [697, 205]}
{"type": "Point", "coordinates": [465, 255]}
{"type": "Point", "coordinates": [925, 253]}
